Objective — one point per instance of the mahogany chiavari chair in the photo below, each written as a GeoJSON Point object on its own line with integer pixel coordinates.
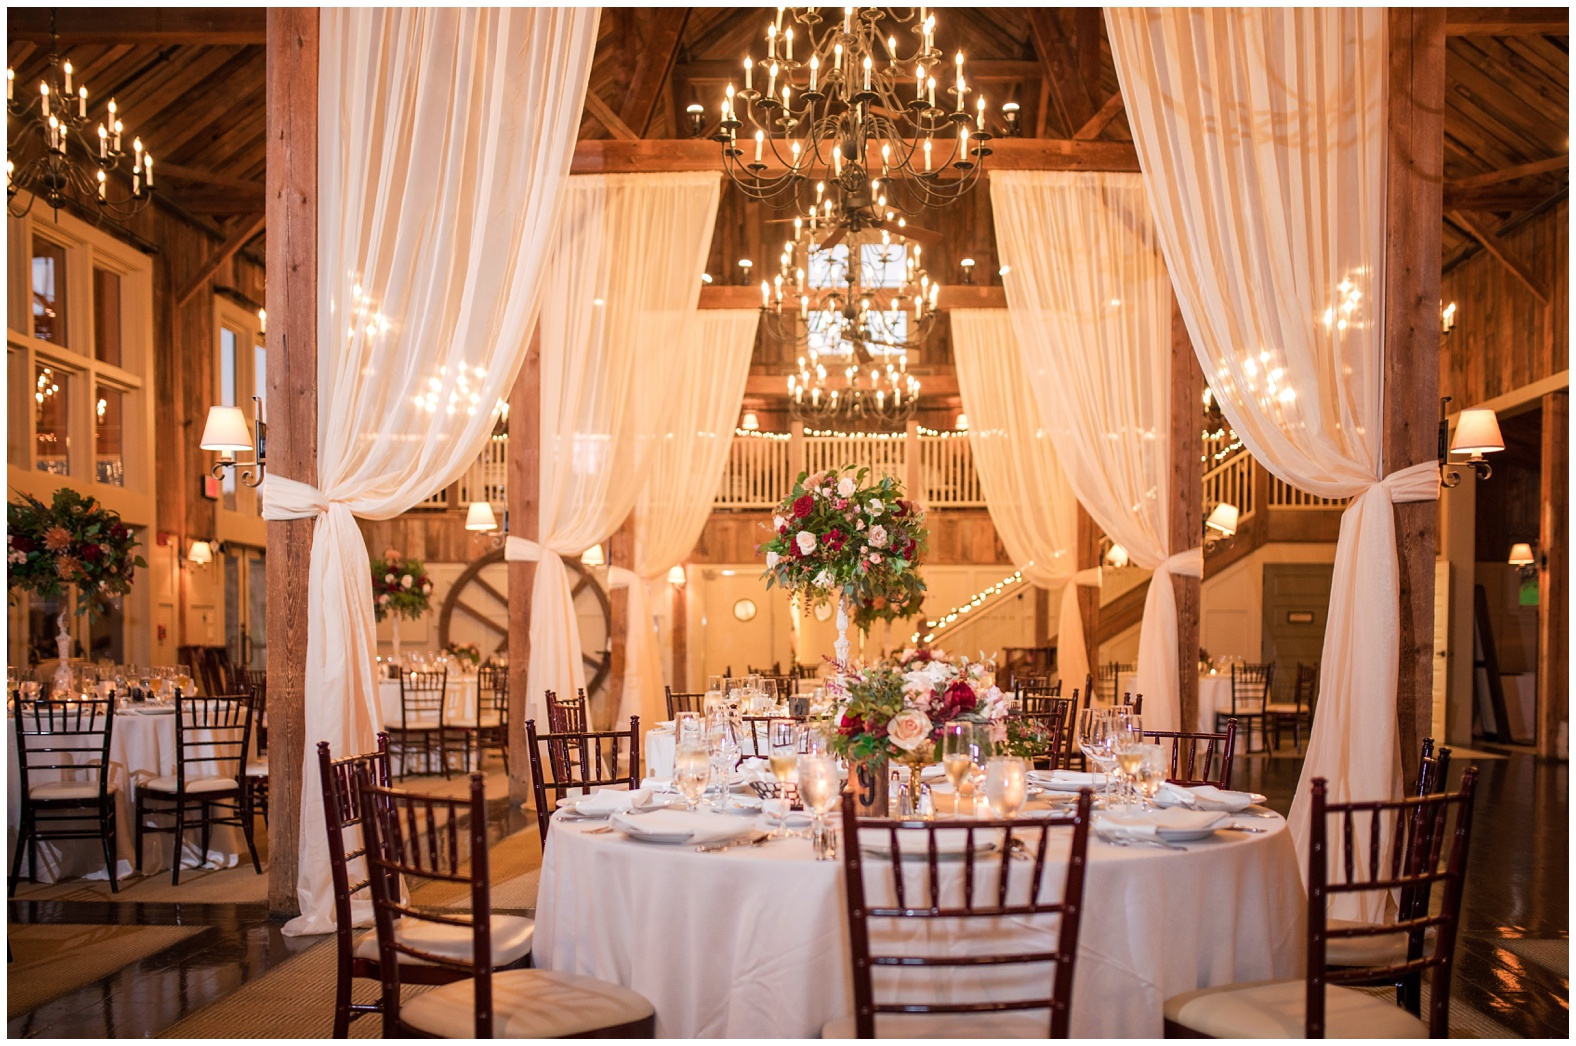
{"type": "Point", "coordinates": [757, 733]}
{"type": "Point", "coordinates": [490, 727]}
{"type": "Point", "coordinates": [422, 700]}
{"type": "Point", "coordinates": [1199, 758]}
{"type": "Point", "coordinates": [1050, 731]}
{"type": "Point", "coordinates": [212, 735]}
{"type": "Point", "coordinates": [67, 742]}
{"type": "Point", "coordinates": [1110, 681]}
{"type": "Point", "coordinates": [1425, 848]}
{"type": "Point", "coordinates": [682, 702]}
{"type": "Point", "coordinates": [1053, 703]}
{"type": "Point", "coordinates": [1250, 694]}
{"type": "Point", "coordinates": [255, 682]}
{"type": "Point", "coordinates": [1299, 711]}
{"type": "Point", "coordinates": [414, 839]}
{"type": "Point", "coordinates": [566, 715]}
{"type": "Point", "coordinates": [580, 759]}
{"type": "Point", "coordinates": [987, 895]}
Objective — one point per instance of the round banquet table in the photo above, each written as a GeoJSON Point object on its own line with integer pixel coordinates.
{"type": "Point", "coordinates": [142, 747]}
{"type": "Point", "coordinates": [752, 942]}
{"type": "Point", "coordinates": [459, 699]}
{"type": "Point", "coordinates": [1214, 695]}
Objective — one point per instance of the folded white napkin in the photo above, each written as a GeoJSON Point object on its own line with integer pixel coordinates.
{"type": "Point", "coordinates": [1065, 780]}
{"type": "Point", "coordinates": [1140, 824]}
{"type": "Point", "coordinates": [608, 801]}
{"type": "Point", "coordinates": [703, 827]}
{"type": "Point", "coordinates": [1211, 798]}
{"type": "Point", "coordinates": [933, 772]}
{"type": "Point", "coordinates": [1175, 795]}
{"type": "Point", "coordinates": [657, 784]}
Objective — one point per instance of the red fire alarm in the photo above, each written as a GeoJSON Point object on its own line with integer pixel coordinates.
{"type": "Point", "coordinates": [210, 488]}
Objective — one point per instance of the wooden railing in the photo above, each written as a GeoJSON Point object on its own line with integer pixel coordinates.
{"type": "Point", "coordinates": [1231, 481]}
{"type": "Point", "coordinates": [757, 473]}
{"type": "Point", "coordinates": [947, 462]}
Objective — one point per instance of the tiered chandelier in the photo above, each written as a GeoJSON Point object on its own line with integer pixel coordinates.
{"type": "Point", "coordinates": [73, 168]}
{"type": "Point", "coordinates": [863, 119]}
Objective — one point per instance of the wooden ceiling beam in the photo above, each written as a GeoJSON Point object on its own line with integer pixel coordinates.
{"type": "Point", "coordinates": [600, 111]}
{"type": "Point", "coordinates": [1508, 174]}
{"type": "Point", "coordinates": [701, 154]}
{"type": "Point", "coordinates": [1061, 68]}
{"type": "Point", "coordinates": [957, 296]}
{"type": "Point", "coordinates": [1507, 21]}
{"type": "Point", "coordinates": [654, 57]}
{"type": "Point", "coordinates": [1500, 250]}
{"type": "Point", "coordinates": [977, 70]}
{"type": "Point", "coordinates": [142, 25]}
{"type": "Point", "coordinates": [1493, 199]}
{"type": "Point", "coordinates": [1102, 117]}
{"type": "Point", "coordinates": [246, 229]}
{"type": "Point", "coordinates": [217, 201]}
{"type": "Point", "coordinates": [193, 174]}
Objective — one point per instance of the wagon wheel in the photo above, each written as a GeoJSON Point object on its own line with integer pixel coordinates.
{"type": "Point", "coordinates": [476, 609]}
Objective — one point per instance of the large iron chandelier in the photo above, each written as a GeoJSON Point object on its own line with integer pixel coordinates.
{"type": "Point", "coordinates": [73, 167]}
{"type": "Point", "coordinates": [844, 106]}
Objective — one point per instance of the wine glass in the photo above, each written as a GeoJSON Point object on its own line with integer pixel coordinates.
{"type": "Point", "coordinates": [768, 696]}
{"type": "Point", "coordinates": [958, 751]}
{"type": "Point", "coordinates": [1151, 773]}
{"type": "Point", "coordinates": [688, 729]}
{"type": "Point", "coordinates": [818, 789]}
{"type": "Point", "coordinates": [1129, 754]}
{"type": "Point", "coordinates": [691, 773]}
{"type": "Point", "coordinates": [1006, 785]}
{"type": "Point", "coordinates": [722, 743]}
{"type": "Point", "coordinates": [782, 738]}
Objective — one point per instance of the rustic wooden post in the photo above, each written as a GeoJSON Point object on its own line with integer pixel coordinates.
{"type": "Point", "coordinates": [524, 508]}
{"type": "Point", "coordinates": [914, 477]}
{"type": "Point", "coordinates": [1088, 551]}
{"type": "Point", "coordinates": [1553, 576]}
{"type": "Point", "coordinates": [292, 407]}
{"type": "Point", "coordinates": [1187, 503]}
{"type": "Point", "coordinates": [680, 634]}
{"type": "Point", "coordinates": [1414, 192]}
{"type": "Point", "coordinates": [620, 553]}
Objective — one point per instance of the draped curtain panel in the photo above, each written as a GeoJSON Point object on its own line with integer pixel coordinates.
{"type": "Point", "coordinates": [1031, 502]}
{"type": "Point", "coordinates": [710, 366]}
{"type": "Point", "coordinates": [622, 286]}
{"type": "Point", "coordinates": [1090, 303]}
{"type": "Point", "coordinates": [444, 143]}
{"type": "Point", "coordinates": [1262, 136]}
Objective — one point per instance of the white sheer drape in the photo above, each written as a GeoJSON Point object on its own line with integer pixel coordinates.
{"type": "Point", "coordinates": [622, 284]}
{"type": "Point", "coordinates": [1030, 500]}
{"type": "Point", "coordinates": [1091, 304]}
{"type": "Point", "coordinates": [1263, 136]}
{"type": "Point", "coordinates": [429, 269]}
{"type": "Point", "coordinates": [711, 364]}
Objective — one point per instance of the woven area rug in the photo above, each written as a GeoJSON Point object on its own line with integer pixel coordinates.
{"type": "Point", "coordinates": [1465, 1022]}
{"type": "Point", "coordinates": [49, 960]}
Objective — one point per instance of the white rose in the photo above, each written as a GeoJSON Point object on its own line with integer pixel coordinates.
{"type": "Point", "coordinates": [823, 579]}
{"type": "Point", "coordinates": [878, 536]}
{"type": "Point", "coordinates": [806, 542]}
{"type": "Point", "coordinates": [772, 560]}
{"type": "Point", "coordinates": [406, 581]}
{"type": "Point", "coordinates": [909, 729]}
{"type": "Point", "coordinates": [875, 508]}
{"type": "Point", "coordinates": [778, 522]}
{"type": "Point", "coordinates": [383, 600]}
{"type": "Point", "coordinates": [426, 589]}
{"type": "Point", "coordinates": [845, 487]}
{"type": "Point", "coordinates": [388, 579]}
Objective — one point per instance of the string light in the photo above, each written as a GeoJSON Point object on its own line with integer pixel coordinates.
{"type": "Point", "coordinates": [975, 602]}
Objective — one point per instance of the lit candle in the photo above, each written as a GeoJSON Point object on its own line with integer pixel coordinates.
{"type": "Point", "coordinates": [961, 92]}
{"type": "Point", "coordinates": [760, 141]}
{"type": "Point", "coordinates": [815, 65]}
{"type": "Point", "coordinates": [68, 71]}
{"type": "Point", "coordinates": [43, 90]}
{"type": "Point", "coordinates": [868, 64]}
{"type": "Point", "coordinates": [54, 134]}
{"type": "Point", "coordinates": [82, 104]}
{"type": "Point", "coordinates": [727, 105]}
{"type": "Point", "coordinates": [101, 185]}
{"type": "Point", "coordinates": [963, 143]}
{"type": "Point", "coordinates": [787, 98]}
{"type": "Point", "coordinates": [147, 163]}
{"type": "Point", "coordinates": [800, 274]}
{"type": "Point", "coordinates": [848, 18]}
{"type": "Point", "coordinates": [766, 294]}
{"type": "Point", "coordinates": [780, 11]}
{"type": "Point", "coordinates": [103, 140]}
{"type": "Point", "coordinates": [788, 43]}
{"type": "Point", "coordinates": [837, 167]}
{"type": "Point", "coordinates": [771, 84]}
{"type": "Point", "coordinates": [771, 42]}
{"type": "Point", "coordinates": [837, 57]}
{"type": "Point", "coordinates": [119, 127]}
{"type": "Point", "coordinates": [979, 109]}
{"type": "Point", "coordinates": [795, 147]}
{"type": "Point", "coordinates": [927, 154]}
{"type": "Point", "coordinates": [886, 157]}
{"type": "Point", "coordinates": [749, 73]}
{"type": "Point", "coordinates": [10, 84]}
{"type": "Point", "coordinates": [892, 49]}
{"type": "Point", "coordinates": [919, 82]}
{"type": "Point", "coordinates": [931, 83]}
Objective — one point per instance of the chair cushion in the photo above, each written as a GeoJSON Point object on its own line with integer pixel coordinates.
{"type": "Point", "coordinates": [1026, 1024]}
{"type": "Point", "coordinates": [1274, 1010]}
{"type": "Point", "coordinates": [527, 1004]}
{"type": "Point", "coordinates": [52, 790]}
{"type": "Point", "coordinates": [1280, 709]}
{"type": "Point", "coordinates": [257, 767]}
{"type": "Point", "coordinates": [487, 722]}
{"type": "Point", "coordinates": [197, 784]}
{"type": "Point", "coordinates": [511, 940]}
{"type": "Point", "coordinates": [414, 724]}
{"type": "Point", "coordinates": [1385, 950]}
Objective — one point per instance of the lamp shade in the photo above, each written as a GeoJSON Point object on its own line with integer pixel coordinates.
{"type": "Point", "coordinates": [1223, 518]}
{"type": "Point", "coordinates": [676, 576]}
{"type": "Point", "coordinates": [1477, 433]}
{"type": "Point", "coordinates": [480, 517]}
{"type": "Point", "coordinates": [962, 423]}
{"type": "Point", "coordinates": [750, 422]}
{"type": "Point", "coordinates": [201, 553]}
{"type": "Point", "coordinates": [1117, 557]}
{"type": "Point", "coordinates": [592, 557]}
{"type": "Point", "coordinates": [1521, 555]}
{"type": "Point", "coordinates": [226, 431]}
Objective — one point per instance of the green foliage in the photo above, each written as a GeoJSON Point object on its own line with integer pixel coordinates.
{"type": "Point", "coordinates": [400, 586]}
{"type": "Point", "coordinates": [71, 541]}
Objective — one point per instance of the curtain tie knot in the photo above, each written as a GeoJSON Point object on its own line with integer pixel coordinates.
{"type": "Point", "coordinates": [291, 499]}
{"type": "Point", "coordinates": [1418, 482]}
{"type": "Point", "coordinates": [1185, 564]}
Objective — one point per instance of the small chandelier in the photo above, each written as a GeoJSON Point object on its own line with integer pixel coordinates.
{"type": "Point", "coordinates": [74, 167]}
{"type": "Point", "coordinates": [850, 109]}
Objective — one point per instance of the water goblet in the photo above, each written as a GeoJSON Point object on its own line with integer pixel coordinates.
{"type": "Point", "coordinates": [818, 790]}
{"type": "Point", "coordinates": [688, 729]}
{"type": "Point", "coordinates": [691, 773]}
{"type": "Point", "coordinates": [1151, 773]}
{"type": "Point", "coordinates": [782, 738]}
{"type": "Point", "coordinates": [1006, 785]}
{"type": "Point", "coordinates": [958, 753]}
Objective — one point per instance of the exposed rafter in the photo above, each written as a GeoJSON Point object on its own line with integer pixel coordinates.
{"type": "Point", "coordinates": [654, 56]}
{"type": "Point", "coordinates": [1101, 119]}
{"type": "Point", "coordinates": [1507, 21]}
{"type": "Point", "coordinates": [1501, 250]}
{"type": "Point", "coordinates": [604, 115]}
{"type": "Point", "coordinates": [697, 154]}
{"type": "Point", "coordinates": [141, 25]}
{"type": "Point", "coordinates": [1509, 174]}
{"type": "Point", "coordinates": [1068, 88]}
{"type": "Point", "coordinates": [248, 227]}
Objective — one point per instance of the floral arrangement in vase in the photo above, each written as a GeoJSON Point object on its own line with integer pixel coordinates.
{"type": "Point", "coordinates": [467, 652]}
{"type": "Point", "coordinates": [898, 709]}
{"type": "Point", "coordinates": [841, 535]}
{"type": "Point", "coordinates": [73, 540]}
{"type": "Point", "coordinates": [400, 589]}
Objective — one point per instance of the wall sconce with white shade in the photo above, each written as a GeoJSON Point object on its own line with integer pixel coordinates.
{"type": "Point", "coordinates": [592, 557]}
{"type": "Point", "coordinates": [676, 577]}
{"type": "Point", "coordinates": [1117, 558]}
{"type": "Point", "coordinates": [750, 422]}
{"type": "Point", "coordinates": [1526, 562]}
{"type": "Point", "coordinates": [226, 431]}
{"type": "Point", "coordinates": [1221, 526]}
{"type": "Point", "coordinates": [1477, 434]}
{"type": "Point", "coordinates": [479, 517]}
{"type": "Point", "coordinates": [962, 422]}
{"type": "Point", "coordinates": [201, 554]}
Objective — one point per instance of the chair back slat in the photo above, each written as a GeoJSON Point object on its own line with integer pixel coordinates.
{"type": "Point", "coordinates": [988, 892]}
{"type": "Point", "coordinates": [600, 754]}
{"type": "Point", "coordinates": [1250, 687]}
{"type": "Point", "coordinates": [684, 702]}
{"type": "Point", "coordinates": [1427, 823]}
{"type": "Point", "coordinates": [1199, 757]}
{"type": "Point", "coordinates": [422, 696]}
{"type": "Point", "coordinates": [212, 733]}
{"type": "Point", "coordinates": [64, 737]}
{"type": "Point", "coordinates": [566, 715]}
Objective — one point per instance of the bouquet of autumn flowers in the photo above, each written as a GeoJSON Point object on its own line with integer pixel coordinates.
{"type": "Point", "coordinates": [899, 709]}
{"type": "Point", "coordinates": [71, 541]}
{"type": "Point", "coordinates": [400, 586]}
{"type": "Point", "coordinates": [839, 534]}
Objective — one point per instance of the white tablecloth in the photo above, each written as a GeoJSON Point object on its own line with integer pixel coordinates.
{"type": "Point", "coordinates": [657, 757]}
{"type": "Point", "coordinates": [753, 942]}
{"type": "Point", "coordinates": [459, 698]}
{"type": "Point", "coordinates": [142, 747]}
{"type": "Point", "coordinates": [1214, 694]}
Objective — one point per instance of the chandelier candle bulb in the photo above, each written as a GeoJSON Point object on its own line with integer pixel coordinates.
{"type": "Point", "coordinates": [868, 65]}
{"type": "Point", "coordinates": [760, 142]}
{"type": "Point", "coordinates": [147, 163]}
{"type": "Point", "coordinates": [771, 83]}
{"type": "Point", "coordinates": [101, 185]}
{"type": "Point", "coordinates": [766, 294]}
{"type": "Point", "coordinates": [10, 85]}
{"type": "Point", "coordinates": [815, 66]}
{"type": "Point", "coordinates": [82, 104]}
{"type": "Point", "coordinates": [788, 43]}
{"type": "Point", "coordinates": [43, 90]}
{"type": "Point", "coordinates": [848, 18]}
{"type": "Point", "coordinates": [749, 73]}
{"type": "Point", "coordinates": [771, 42]}
{"type": "Point", "coordinates": [927, 150]}
{"type": "Point", "coordinates": [68, 71]}
{"type": "Point", "coordinates": [931, 85]}
{"type": "Point", "coordinates": [837, 58]}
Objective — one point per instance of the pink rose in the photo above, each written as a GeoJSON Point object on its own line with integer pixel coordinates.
{"type": "Point", "coordinates": [909, 729]}
{"type": "Point", "coordinates": [806, 542]}
{"type": "Point", "coordinates": [845, 487]}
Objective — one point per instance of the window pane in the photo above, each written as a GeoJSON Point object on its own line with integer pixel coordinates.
{"type": "Point", "coordinates": [829, 268]}
{"type": "Point", "coordinates": [49, 291]}
{"type": "Point", "coordinates": [882, 264]}
{"type": "Point", "coordinates": [109, 447]}
{"type": "Point", "coordinates": [886, 331]}
{"type": "Point", "coordinates": [106, 316]}
{"type": "Point", "coordinates": [51, 408]}
{"type": "Point", "coordinates": [228, 395]}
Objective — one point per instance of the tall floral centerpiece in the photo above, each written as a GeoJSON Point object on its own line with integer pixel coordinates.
{"type": "Point", "coordinates": [841, 535]}
{"type": "Point", "coordinates": [401, 589]}
{"type": "Point", "coordinates": [71, 541]}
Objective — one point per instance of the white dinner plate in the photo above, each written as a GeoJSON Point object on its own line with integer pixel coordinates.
{"type": "Point", "coordinates": [156, 711]}
{"type": "Point", "coordinates": [1184, 835]}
